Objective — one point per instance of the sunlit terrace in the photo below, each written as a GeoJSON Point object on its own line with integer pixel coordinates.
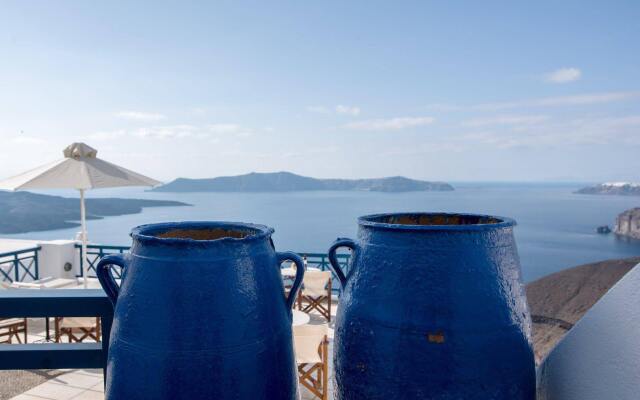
{"type": "Point", "coordinates": [55, 331]}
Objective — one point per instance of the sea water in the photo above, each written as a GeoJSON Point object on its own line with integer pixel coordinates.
{"type": "Point", "coordinates": [556, 228]}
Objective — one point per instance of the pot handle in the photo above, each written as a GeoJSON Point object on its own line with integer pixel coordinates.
{"type": "Point", "coordinates": [105, 276]}
{"type": "Point", "coordinates": [333, 259]}
{"type": "Point", "coordinates": [291, 256]}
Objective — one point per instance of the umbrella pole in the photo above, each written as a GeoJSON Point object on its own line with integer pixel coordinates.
{"type": "Point", "coordinates": [83, 218]}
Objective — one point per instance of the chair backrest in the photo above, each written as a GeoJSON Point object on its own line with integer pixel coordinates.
{"type": "Point", "coordinates": [315, 283]}
{"type": "Point", "coordinates": [308, 339]}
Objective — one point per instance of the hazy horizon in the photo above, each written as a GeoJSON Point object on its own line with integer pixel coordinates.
{"type": "Point", "coordinates": [476, 92]}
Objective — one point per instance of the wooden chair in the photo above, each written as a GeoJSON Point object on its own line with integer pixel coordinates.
{"type": "Point", "coordinates": [78, 329]}
{"type": "Point", "coordinates": [312, 356]}
{"type": "Point", "coordinates": [12, 328]}
{"type": "Point", "coordinates": [315, 292]}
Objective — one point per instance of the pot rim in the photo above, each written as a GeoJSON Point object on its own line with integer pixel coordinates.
{"type": "Point", "coordinates": [369, 221]}
{"type": "Point", "coordinates": [146, 233]}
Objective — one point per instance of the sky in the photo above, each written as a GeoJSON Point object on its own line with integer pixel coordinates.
{"type": "Point", "coordinates": [452, 91]}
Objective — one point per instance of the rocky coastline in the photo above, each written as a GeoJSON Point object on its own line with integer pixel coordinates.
{"type": "Point", "coordinates": [612, 188]}
{"type": "Point", "coordinates": [22, 212]}
{"type": "Point", "coordinates": [628, 223]}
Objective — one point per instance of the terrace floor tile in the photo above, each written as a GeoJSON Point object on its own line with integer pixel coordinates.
{"type": "Point", "coordinates": [27, 397]}
{"type": "Point", "coordinates": [55, 391]}
{"type": "Point", "coordinates": [89, 395]}
{"type": "Point", "coordinates": [78, 380]}
{"type": "Point", "coordinates": [86, 384]}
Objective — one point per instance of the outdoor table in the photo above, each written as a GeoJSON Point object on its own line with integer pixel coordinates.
{"type": "Point", "coordinates": [300, 318]}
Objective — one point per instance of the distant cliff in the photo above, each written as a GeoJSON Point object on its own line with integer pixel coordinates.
{"type": "Point", "coordinates": [628, 223]}
{"type": "Point", "coordinates": [615, 188]}
{"type": "Point", "coordinates": [288, 182]}
{"type": "Point", "coordinates": [26, 212]}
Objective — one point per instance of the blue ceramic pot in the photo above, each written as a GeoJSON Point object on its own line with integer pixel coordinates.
{"type": "Point", "coordinates": [201, 314]}
{"type": "Point", "coordinates": [432, 307]}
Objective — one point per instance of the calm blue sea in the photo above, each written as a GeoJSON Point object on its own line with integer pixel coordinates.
{"type": "Point", "coordinates": [556, 228]}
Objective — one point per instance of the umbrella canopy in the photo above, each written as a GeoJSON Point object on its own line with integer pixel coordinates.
{"type": "Point", "coordinates": [79, 169]}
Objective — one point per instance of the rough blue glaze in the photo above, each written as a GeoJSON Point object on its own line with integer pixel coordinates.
{"type": "Point", "coordinates": [201, 319]}
{"type": "Point", "coordinates": [434, 310]}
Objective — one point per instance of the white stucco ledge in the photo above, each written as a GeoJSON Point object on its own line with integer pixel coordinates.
{"type": "Point", "coordinates": [600, 357]}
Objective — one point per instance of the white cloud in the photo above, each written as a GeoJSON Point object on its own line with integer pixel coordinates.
{"type": "Point", "coordinates": [619, 131]}
{"type": "Point", "coordinates": [564, 75]}
{"type": "Point", "coordinates": [350, 110]}
{"type": "Point", "coordinates": [632, 120]}
{"type": "Point", "coordinates": [339, 109]}
{"type": "Point", "coordinates": [517, 120]}
{"type": "Point", "coordinates": [547, 138]}
{"type": "Point", "coordinates": [444, 107]}
{"type": "Point", "coordinates": [140, 116]}
{"type": "Point", "coordinates": [211, 131]}
{"type": "Point", "coordinates": [585, 99]}
{"type": "Point", "coordinates": [390, 124]}
{"type": "Point", "coordinates": [153, 132]}
{"type": "Point", "coordinates": [166, 132]}
{"type": "Point", "coordinates": [230, 129]}
{"type": "Point", "coordinates": [318, 109]}
{"type": "Point", "coordinates": [224, 128]}
{"type": "Point", "coordinates": [544, 102]}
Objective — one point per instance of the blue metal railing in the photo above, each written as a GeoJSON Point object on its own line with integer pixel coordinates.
{"type": "Point", "coordinates": [16, 266]}
{"type": "Point", "coordinates": [96, 251]}
{"type": "Point", "coordinates": [52, 303]}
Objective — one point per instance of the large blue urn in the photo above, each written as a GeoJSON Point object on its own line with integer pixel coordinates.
{"type": "Point", "coordinates": [200, 313]}
{"type": "Point", "coordinates": [432, 307]}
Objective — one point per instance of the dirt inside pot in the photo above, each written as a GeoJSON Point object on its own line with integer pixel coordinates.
{"type": "Point", "coordinates": [204, 234]}
{"type": "Point", "coordinates": [436, 219]}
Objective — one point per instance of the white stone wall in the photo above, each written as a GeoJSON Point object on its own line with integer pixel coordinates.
{"type": "Point", "coordinates": [600, 357]}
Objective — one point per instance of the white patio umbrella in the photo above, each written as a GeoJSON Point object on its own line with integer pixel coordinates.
{"type": "Point", "coordinates": [82, 170]}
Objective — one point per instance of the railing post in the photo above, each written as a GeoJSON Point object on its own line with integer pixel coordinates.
{"type": "Point", "coordinates": [16, 266]}
{"type": "Point", "coordinates": [93, 264]}
{"type": "Point", "coordinates": [35, 262]}
{"type": "Point", "coordinates": [81, 261]}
